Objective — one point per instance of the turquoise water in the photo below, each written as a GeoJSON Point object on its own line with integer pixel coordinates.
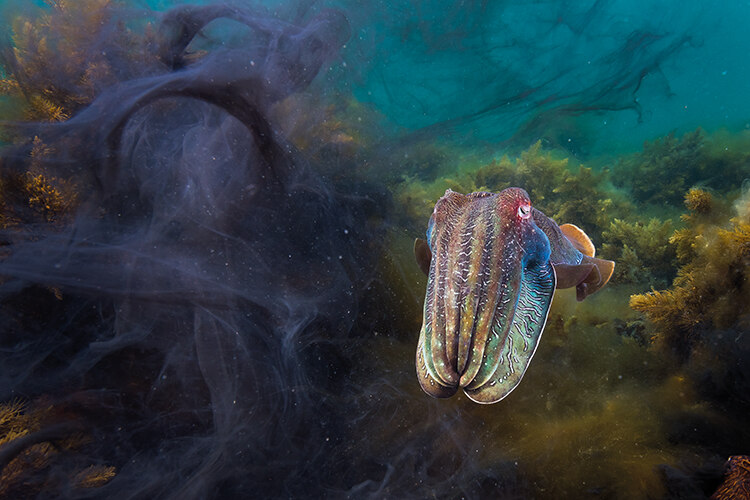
{"type": "Point", "coordinates": [207, 219]}
{"type": "Point", "coordinates": [490, 69]}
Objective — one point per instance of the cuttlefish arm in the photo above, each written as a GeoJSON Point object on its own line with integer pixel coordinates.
{"type": "Point", "coordinates": [572, 256]}
{"type": "Point", "coordinates": [490, 285]}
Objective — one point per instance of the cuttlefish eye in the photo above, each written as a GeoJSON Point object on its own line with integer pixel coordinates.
{"type": "Point", "coordinates": [524, 211]}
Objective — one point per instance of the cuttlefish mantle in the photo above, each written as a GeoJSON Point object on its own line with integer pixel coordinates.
{"type": "Point", "coordinates": [493, 263]}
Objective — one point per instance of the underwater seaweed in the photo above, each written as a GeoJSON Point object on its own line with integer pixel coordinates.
{"type": "Point", "coordinates": [241, 323]}
{"type": "Point", "coordinates": [726, 158]}
{"type": "Point", "coordinates": [669, 166]}
{"type": "Point", "coordinates": [592, 398]}
{"type": "Point", "coordinates": [665, 169]}
{"type": "Point", "coordinates": [516, 70]}
{"type": "Point", "coordinates": [35, 196]}
{"type": "Point", "coordinates": [705, 211]}
{"type": "Point", "coordinates": [209, 278]}
{"type": "Point", "coordinates": [642, 251]}
{"type": "Point", "coordinates": [64, 56]}
{"type": "Point", "coordinates": [712, 288]}
{"type": "Point", "coordinates": [538, 171]}
{"type": "Point", "coordinates": [576, 196]}
{"type": "Point", "coordinates": [584, 198]}
{"type": "Point", "coordinates": [35, 448]}
{"type": "Point", "coordinates": [61, 58]}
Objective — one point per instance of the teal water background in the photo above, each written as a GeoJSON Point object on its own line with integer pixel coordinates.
{"type": "Point", "coordinates": [490, 68]}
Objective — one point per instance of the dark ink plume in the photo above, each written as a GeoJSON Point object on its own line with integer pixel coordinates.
{"type": "Point", "coordinates": [207, 266]}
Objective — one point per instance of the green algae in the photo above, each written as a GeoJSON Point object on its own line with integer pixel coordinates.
{"type": "Point", "coordinates": [669, 166]}
{"type": "Point", "coordinates": [661, 173]}
{"type": "Point", "coordinates": [642, 251]}
{"type": "Point", "coordinates": [575, 195]}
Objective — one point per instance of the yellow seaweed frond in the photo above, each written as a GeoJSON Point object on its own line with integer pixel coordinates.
{"type": "Point", "coordinates": [712, 288]}
{"type": "Point", "coordinates": [737, 238]}
{"type": "Point", "coordinates": [736, 485]}
{"type": "Point", "coordinates": [56, 67]}
{"type": "Point", "coordinates": [44, 109]}
{"type": "Point", "coordinates": [698, 200]}
{"type": "Point", "coordinates": [46, 198]}
{"type": "Point", "coordinates": [662, 307]}
{"type": "Point", "coordinates": [684, 241]}
{"type": "Point", "coordinates": [19, 419]}
{"type": "Point", "coordinates": [34, 196]}
{"type": "Point", "coordinates": [9, 86]}
{"type": "Point", "coordinates": [9, 414]}
{"type": "Point", "coordinates": [94, 476]}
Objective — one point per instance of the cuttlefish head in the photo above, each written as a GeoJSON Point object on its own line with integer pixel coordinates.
{"type": "Point", "coordinates": [490, 261]}
{"type": "Point", "coordinates": [572, 256]}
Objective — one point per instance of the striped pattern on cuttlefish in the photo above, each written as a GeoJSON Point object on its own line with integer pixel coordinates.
{"type": "Point", "coordinates": [493, 262]}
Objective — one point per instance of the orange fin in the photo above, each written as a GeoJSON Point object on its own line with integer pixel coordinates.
{"type": "Point", "coordinates": [579, 239]}
{"type": "Point", "coordinates": [423, 254]}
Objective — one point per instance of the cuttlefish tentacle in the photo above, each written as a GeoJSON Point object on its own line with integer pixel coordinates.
{"type": "Point", "coordinates": [573, 258]}
{"type": "Point", "coordinates": [493, 263]}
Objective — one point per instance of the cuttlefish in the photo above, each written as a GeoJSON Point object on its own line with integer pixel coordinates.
{"type": "Point", "coordinates": [493, 262]}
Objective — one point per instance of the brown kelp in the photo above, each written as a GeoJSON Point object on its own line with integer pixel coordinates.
{"type": "Point", "coordinates": [38, 436]}
{"type": "Point", "coordinates": [710, 292]}
{"type": "Point", "coordinates": [62, 57]}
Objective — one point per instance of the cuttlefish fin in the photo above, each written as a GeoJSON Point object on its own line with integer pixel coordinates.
{"type": "Point", "coordinates": [579, 239]}
{"type": "Point", "coordinates": [423, 254]}
{"type": "Point", "coordinates": [588, 276]}
{"type": "Point", "coordinates": [597, 278]}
